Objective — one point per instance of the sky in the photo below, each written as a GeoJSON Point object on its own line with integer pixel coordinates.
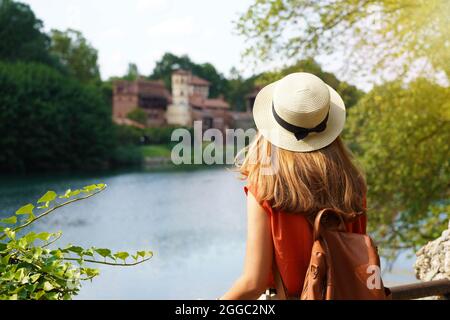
{"type": "Point", "coordinates": [141, 31]}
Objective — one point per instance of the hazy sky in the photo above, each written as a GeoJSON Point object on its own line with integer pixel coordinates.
{"type": "Point", "coordinates": [140, 31]}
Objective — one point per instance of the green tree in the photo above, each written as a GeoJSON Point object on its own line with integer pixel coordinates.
{"type": "Point", "coordinates": [170, 62]}
{"type": "Point", "coordinates": [237, 88]}
{"type": "Point", "coordinates": [132, 73]}
{"type": "Point", "coordinates": [372, 33]}
{"type": "Point", "coordinates": [400, 135]}
{"type": "Point", "coordinates": [51, 121]}
{"type": "Point", "coordinates": [21, 35]}
{"type": "Point", "coordinates": [138, 115]}
{"type": "Point", "coordinates": [76, 54]}
{"type": "Point", "coordinates": [349, 93]}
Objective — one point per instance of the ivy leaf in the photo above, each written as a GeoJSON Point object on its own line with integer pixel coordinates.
{"type": "Point", "coordinates": [39, 294]}
{"type": "Point", "coordinates": [45, 206]}
{"type": "Point", "coordinates": [89, 252]}
{"type": "Point", "coordinates": [76, 249]}
{"type": "Point", "coordinates": [48, 197]}
{"type": "Point", "coordinates": [90, 272]}
{"type": "Point", "coordinates": [122, 255]}
{"type": "Point", "coordinates": [48, 286]}
{"type": "Point", "coordinates": [30, 237]}
{"type": "Point", "coordinates": [44, 236]}
{"type": "Point", "coordinates": [35, 277]}
{"type": "Point", "coordinates": [69, 193]}
{"type": "Point", "coordinates": [27, 209]}
{"type": "Point", "coordinates": [90, 188]}
{"type": "Point", "coordinates": [104, 252]}
{"type": "Point", "coordinates": [10, 220]}
{"type": "Point", "coordinates": [10, 233]}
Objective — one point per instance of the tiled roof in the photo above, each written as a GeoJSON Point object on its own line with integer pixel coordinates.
{"type": "Point", "coordinates": [216, 103]}
{"type": "Point", "coordinates": [197, 101]}
{"type": "Point", "coordinates": [197, 81]}
{"type": "Point", "coordinates": [153, 88]}
{"type": "Point", "coordinates": [200, 102]}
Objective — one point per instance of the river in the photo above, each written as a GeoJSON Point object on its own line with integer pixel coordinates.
{"type": "Point", "coordinates": [194, 221]}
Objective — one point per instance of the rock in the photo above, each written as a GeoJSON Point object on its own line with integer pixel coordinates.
{"type": "Point", "coordinates": [433, 260]}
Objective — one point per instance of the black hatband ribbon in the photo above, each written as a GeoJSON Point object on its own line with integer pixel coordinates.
{"type": "Point", "coordinates": [299, 132]}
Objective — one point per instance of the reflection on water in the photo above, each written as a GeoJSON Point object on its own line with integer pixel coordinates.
{"type": "Point", "coordinates": [194, 221]}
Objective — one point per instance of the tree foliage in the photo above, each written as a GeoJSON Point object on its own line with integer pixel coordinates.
{"type": "Point", "coordinates": [50, 121]}
{"type": "Point", "coordinates": [76, 54]}
{"type": "Point", "coordinates": [377, 34]}
{"type": "Point", "coordinates": [132, 73]}
{"type": "Point", "coordinates": [138, 115]}
{"type": "Point", "coordinates": [170, 62]}
{"type": "Point", "coordinates": [349, 93]}
{"type": "Point", "coordinates": [400, 135]}
{"type": "Point", "coordinates": [22, 38]}
{"type": "Point", "coordinates": [32, 268]}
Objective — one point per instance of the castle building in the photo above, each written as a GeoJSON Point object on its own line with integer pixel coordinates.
{"type": "Point", "coordinates": [188, 102]}
{"type": "Point", "coordinates": [150, 96]}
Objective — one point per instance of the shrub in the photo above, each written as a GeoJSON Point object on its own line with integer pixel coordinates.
{"type": "Point", "coordinates": [138, 115]}
{"type": "Point", "coordinates": [49, 121]}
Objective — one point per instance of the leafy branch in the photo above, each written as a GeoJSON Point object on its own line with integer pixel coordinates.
{"type": "Point", "coordinates": [29, 269]}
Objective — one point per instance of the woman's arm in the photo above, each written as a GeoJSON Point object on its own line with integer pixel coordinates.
{"type": "Point", "coordinates": [258, 259]}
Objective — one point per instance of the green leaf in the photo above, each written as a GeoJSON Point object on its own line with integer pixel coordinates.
{"type": "Point", "coordinates": [10, 233]}
{"type": "Point", "coordinates": [90, 188]}
{"type": "Point", "coordinates": [44, 236]}
{"type": "Point", "coordinates": [38, 294]}
{"type": "Point", "coordinates": [29, 237]}
{"type": "Point", "coordinates": [49, 196]}
{"type": "Point", "coordinates": [10, 220]}
{"type": "Point", "coordinates": [45, 206]}
{"type": "Point", "coordinates": [20, 274]}
{"type": "Point", "coordinates": [51, 295]}
{"type": "Point", "coordinates": [76, 249]}
{"type": "Point", "coordinates": [104, 252]}
{"type": "Point", "coordinates": [90, 272]}
{"type": "Point", "coordinates": [122, 255]}
{"type": "Point", "coordinates": [37, 252]}
{"type": "Point", "coordinates": [35, 277]}
{"type": "Point", "coordinates": [27, 209]}
{"type": "Point", "coordinates": [48, 286]}
{"type": "Point", "coordinates": [69, 193]}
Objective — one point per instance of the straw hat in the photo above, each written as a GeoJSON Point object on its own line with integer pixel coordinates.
{"type": "Point", "coordinates": [299, 113]}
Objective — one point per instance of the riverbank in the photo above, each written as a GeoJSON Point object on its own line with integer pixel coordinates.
{"type": "Point", "coordinates": [160, 155]}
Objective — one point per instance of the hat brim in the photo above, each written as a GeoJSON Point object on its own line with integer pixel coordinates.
{"type": "Point", "coordinates": [280, 137]}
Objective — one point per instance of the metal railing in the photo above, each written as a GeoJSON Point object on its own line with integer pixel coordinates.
{"type": "Point", "coordinates": [421, 290]}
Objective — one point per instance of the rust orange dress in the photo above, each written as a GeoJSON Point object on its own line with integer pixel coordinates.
{"type": "Point", "coordinates": [293, 240]}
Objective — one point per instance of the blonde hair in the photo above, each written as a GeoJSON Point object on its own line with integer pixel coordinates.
{"type": "Point", "coordinates": [304, 182]}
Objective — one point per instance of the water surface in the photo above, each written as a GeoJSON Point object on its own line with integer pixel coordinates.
{"type": "Point", "coordinates": [194, 221]}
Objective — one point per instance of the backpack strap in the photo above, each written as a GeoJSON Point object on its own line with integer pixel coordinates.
{"type": "Point", "coordinates": [322, 214]}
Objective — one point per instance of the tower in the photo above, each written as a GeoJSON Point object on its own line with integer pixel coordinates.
{"type": "Point", "coordinates": [179, 112]}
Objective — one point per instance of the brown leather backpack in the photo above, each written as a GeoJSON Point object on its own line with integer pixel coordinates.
{"type": "Point", "coordinates": [343, 265]}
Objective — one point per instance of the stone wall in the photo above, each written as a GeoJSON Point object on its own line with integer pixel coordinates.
{"type": "Point", "coordinates": [433, 260]}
